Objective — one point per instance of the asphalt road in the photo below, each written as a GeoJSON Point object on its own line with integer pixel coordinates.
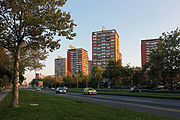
{"type": "Point", "coordinates": [164, 107]}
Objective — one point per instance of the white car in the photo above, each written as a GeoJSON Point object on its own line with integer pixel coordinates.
{"type": "Point", "coordinates": [38, 89]}
{"type": "Point", "coordinates": [60, 90]}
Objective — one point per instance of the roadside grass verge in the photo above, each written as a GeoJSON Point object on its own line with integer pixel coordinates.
{"type": "Point", "coordinates": [53, 107]}
{"type": "Point", "coordinates": [140, 94]}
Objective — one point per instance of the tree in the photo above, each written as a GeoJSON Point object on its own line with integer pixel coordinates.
{"type": "Point", "coordinates": [76, 79]}
{"type": "Point", "coordinates": [164, 61]}
{"type": "Point", "coordinates": [84, 79]}
{"type": "Point", "coordinates": [49, 81]}
{"type": "Point", "coordinates": [68, 79]}
{"type": "Point", "coordinates": [96, 75]}
{"type": "Point", "coordinates": [58, 80]}
{"type": "Point", "coordinates": [27, 25]}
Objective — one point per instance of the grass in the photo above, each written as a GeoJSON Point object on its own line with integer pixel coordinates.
{"type": "Point", "coordinates": [120, 92]}
{"type": "Point", "coordinates": [59, 108]}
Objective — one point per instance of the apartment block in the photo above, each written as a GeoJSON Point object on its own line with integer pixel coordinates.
{"type": "Point", "coordinates": [146, 47]}
{"type": "Point", "coordinates": [90, 66]}
{"type": "Point", "coordinates": [105, 46]}
{"type": "Point", "coordinates": [60, 66]}
{"type": "Point", "coordinates": [77, 61]}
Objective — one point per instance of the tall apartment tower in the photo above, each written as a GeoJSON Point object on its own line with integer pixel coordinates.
{"type": "Point", "coordinates": [105, 45]}
{"type": "Point", "coordinates": [89, 66]}
{"type": "Point", "coordinates": [77, 61]}
{"type": "Point", "coordinates": [146, 47]}
{"type": "Point", "coordinates": [60, 66]}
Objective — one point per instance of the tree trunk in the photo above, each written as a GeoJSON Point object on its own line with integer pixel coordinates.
{"type": "Point", "coordinates": [15, 98]}
{"type": "Point", "coordinates": [171, 83]}
{"type": "Point", "coordinates": [98, 85]}
{"type": "Point", "coordinates": [77, 85]}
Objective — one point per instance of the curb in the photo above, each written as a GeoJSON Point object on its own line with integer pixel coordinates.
{"type": "Point", "coordinates": [4, 93]}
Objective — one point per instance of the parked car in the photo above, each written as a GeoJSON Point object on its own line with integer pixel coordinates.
{"type": "Point", "coordinates": [134, 89]}
{"type": "Point", "coordinates": [65, 87]}
{"type": "Point", "coordinates": [90, 91]}
{"type": "Point", "coordinates": [60, 90]}
{"type": "Point", "coordinates": [159, 87]}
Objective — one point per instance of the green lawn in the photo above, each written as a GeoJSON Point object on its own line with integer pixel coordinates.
{"type": "Point", "coordinates": [59, 108]}
{"type": "Point", "coordinates": [120, 92]}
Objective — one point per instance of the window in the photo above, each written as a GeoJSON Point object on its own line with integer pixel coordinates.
{"type": "Point", "coordinates": [94, 38]}
{"type": "Point", "coordinates": [112, 46]}
{"type": "Point", "coordinates": [108, 47]}
{"type": "Point", "coordinates": [107, 44]}
{"type": "Point", "coordinates": [112, 49]}
{"type": "Point", "coordinates": [103, 38]}
{"type": "Point", "coordinates": [103, 41]}
{"type": "Point", "coordinates": [98, 42]}
{"type": "Point", "coordinates": [112, 55]}
{"type": "Point", "coordinates": [98, 63]}
{"type": "Point", "coordinates": [107, 50]}
{"type": "Point", "coordinates": [112, 36]}
{"type": "Point", "coordinates": [103, 44]}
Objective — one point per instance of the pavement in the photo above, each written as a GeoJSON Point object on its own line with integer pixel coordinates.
{"type": "Point", "coordinates": [4, 93]}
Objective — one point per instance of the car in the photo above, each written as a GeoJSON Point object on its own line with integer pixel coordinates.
{"type": "Point", "coordinates": [60, 90]}
{"type": "Point", "coordinates": [90, 91]}
{"type": "Point", "coordinates": [134, 89]}
{"type": "Point", "coordinates": [52, 88]}
{"type": "Point", "coordinates": [38, 89]}
{"type": "Point", "coordinates": [159, 87]}
{"type": "Point", "coordinates": [65, 87]}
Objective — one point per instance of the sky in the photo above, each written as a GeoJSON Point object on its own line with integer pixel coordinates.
{"type": "Point", "coordinates": [134, 20]}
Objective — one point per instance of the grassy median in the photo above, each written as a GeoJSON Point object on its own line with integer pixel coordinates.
{"type": "Point", "coordinates": [126, 93]}
{"type": "Point", "coordinates": [59, 108]}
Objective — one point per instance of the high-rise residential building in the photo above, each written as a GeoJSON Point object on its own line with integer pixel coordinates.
{"type": "Point", "coordinates": [105, 46]}
{"type": "Point", "coordinates": [89, 66]}
{"type": "Point", "coordinates": [146, 47]}
{"type": "Point", "coordinates": [60, 66]}
{"type": "Point", "coordinates": [77, 61]}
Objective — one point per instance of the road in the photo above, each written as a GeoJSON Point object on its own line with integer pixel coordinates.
{"type": "Point", "coordinates": [164, 107]}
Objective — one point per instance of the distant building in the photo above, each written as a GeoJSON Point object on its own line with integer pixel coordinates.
{"type": "Point", "coordinates": [90, 66]}
{"type": "Point", "coordinates": [105, 45]}
{"type": "Point", "coordinates": [77, 60]}
{"type": "Point", "coordinates": [60, 66]}
{"type": "Point", "coordinates": [146, 47]}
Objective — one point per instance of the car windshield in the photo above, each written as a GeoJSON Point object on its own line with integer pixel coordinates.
{"type": "Point", "coordinates": [61, 88]}
{"type": "Point", "coordinates": [91, 89]}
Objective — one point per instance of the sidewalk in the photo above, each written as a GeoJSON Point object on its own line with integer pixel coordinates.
{"type": "Point", "coordinates": [4, 93]}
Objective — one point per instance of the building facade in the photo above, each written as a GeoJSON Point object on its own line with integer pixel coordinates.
{"type": "Point", "coordinates": [146, 47]}
{"type": "Point", "coordinates": [105, 46]}
{"type": "Point", "coordinates": [89, 66]}
{"type": "Point", "coordinates": [60, 66]}
{"type": "Point", "coordinates": [77, 61]}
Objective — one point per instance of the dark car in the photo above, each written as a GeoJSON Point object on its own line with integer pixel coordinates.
{"type": "Point", "coordinates": [134, 89]}
{"type": "Point", "coordinates": [60, 90]}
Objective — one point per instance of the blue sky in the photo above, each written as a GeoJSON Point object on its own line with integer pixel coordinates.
{"type": "Point", "coordinates": [134, 20]}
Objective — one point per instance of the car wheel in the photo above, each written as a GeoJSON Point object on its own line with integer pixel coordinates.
{"type": "Point", "coordinates": [88, 93]}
